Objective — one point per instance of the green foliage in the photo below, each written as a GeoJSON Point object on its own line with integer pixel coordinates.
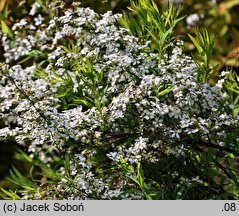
{"type": "Point", "coordinates": [136, 174]}
{"type": "Point", "coordinates": [231, 86]}
{"type": "Point", "coordinates": [39, 173]}
{"type": "Point", "coordinates": [220, 19]}
{"type": "Point", "coordinates": [149, 23]}
{"type": "Point", "coordinates": [3, 18]}
{"type": "Point", "coordinates": [205, 46]}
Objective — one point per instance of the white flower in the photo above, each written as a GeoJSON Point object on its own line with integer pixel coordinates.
{"type": "Point", "coordinates": [174, 134]}
{"type": "Point", "coordinates": [220, 83]}
{"type": "Point", "coordinates": [192, 19]}
{"type": "Point", "coordinates": [224, 73]}
{"type": "Point", "coordinates": [22, 23]}
{"type": "Point", "coordinates": [38, 20]}
{"type": "Point", "coordinates": [34, 8]}
{"type": "Point", "coordinates": [140, 144]}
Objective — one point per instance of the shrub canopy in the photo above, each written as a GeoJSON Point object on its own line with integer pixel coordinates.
{"type": "Point", "coordinates": [111, 118]}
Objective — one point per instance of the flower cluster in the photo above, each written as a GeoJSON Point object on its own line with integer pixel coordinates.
{"type": "Point", "coordinates": [84, 86]}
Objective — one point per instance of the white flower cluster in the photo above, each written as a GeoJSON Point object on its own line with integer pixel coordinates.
{"type": "Point", "coordinates": [189, 113]}
{"type": "Point", "coordinates": [192, 20]}
{"type": "Point", "coordinates": [124, 99]}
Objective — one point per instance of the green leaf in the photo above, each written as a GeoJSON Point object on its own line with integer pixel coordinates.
{"type": "Point", "coordinates": [155, 6]}
{"type": "Point", "coordinates": [67, 164]}
{"type": "Point", "coordinates": [25, 59]}
{"type": "Point", "coordinates": [18, 179]}
{"type": "Point", "coordinates": [12, 195]}
{"type": "Point", "coordinates": [165, 91]}
{"type": "Point", "coordinates": [22, 156]}
{"type": "Point", "coordinates": [2, 16]}
{"type": "Point", "coordinates": [6, 29]}
{"type": "Point", "coordinates": [140, 175]}
{"type": "Point", "coordinates": [5, 12]}
{"type": "Point", "coordinates": [85, 103]}
{"type": "Point", "coordinates": [37, 54]}
{"type": "Point", "coordinates": [148, 197]}
{"type": "Point", "coordinates": [197, 45]}
{"type": "Point", "coordinates": [62, 95]}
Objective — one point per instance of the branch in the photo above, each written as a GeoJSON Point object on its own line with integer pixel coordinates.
{"type": "Point", "coordinates": [221, 148]}
{"type": "Point", "coordinates": [224, 169]}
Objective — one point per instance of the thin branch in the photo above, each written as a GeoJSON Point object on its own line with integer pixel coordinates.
{"type": "Point", "coordinates": [221, 148]}
{"type": "Point", "coordinates": [224, 169]}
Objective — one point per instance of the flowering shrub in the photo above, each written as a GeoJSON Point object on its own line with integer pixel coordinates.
{"type": "Point", "coordinates": [105, 117]}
